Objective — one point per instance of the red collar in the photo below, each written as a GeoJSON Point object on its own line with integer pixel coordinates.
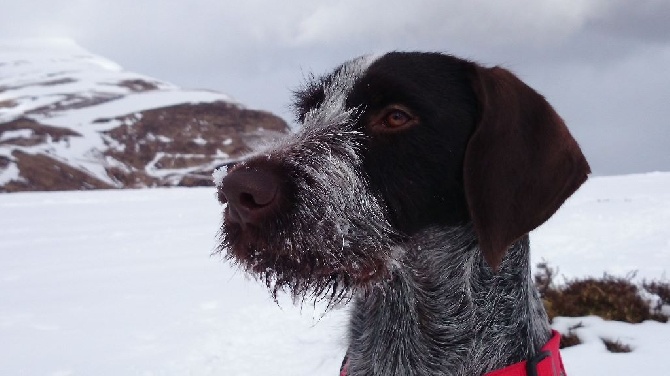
{"type": "Point", "coordinates": [547, 363]}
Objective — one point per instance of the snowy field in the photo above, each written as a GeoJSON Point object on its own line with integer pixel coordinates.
{"type": "Point", "coordinates": [122, 283]}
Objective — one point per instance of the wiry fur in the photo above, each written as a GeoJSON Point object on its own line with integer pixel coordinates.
{"type": "Point", "coordinates": [382, 215]}
{"type": "Point", "coordinates": [446, 313]}
{"type": "Point", "coordinates": [334, 234]}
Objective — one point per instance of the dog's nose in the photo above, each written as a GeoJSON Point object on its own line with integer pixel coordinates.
{"type": "Point", "coordinates": [252, 195]}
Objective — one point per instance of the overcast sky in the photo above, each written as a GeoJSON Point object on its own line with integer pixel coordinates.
{"type": "Point", "coordinates": [603, 64]}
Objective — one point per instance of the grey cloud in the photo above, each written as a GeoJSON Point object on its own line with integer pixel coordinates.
{"type": "Point", "coordinates": [645, 20]}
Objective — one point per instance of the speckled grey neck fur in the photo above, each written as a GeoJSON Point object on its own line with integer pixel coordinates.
{"type": "Point", "coordinates": [446, 313]}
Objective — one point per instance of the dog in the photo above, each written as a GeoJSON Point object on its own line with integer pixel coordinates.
{"type": "Point", "coordinates": [410, 189]}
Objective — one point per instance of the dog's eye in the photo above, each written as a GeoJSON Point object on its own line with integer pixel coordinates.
{"type": "Point", "coordinates": [392, 118]}
{"type": "Point", "coordinates": [396, 118]}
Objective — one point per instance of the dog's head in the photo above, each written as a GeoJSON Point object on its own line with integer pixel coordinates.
{"type": "Point", "coordinates": [391, 146]}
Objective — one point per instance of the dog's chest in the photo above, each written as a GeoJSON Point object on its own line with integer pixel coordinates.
{"type": "Point", "coordinates": [444, 313]}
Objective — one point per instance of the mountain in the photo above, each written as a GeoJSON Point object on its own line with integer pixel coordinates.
{"type": "Point", "coordinates": [72, 120]}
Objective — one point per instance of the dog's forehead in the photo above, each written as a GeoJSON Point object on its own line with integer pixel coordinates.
{"type": "Point", "coordinates": [390, 74]}
{"type": "Point", "coordinates": [330, 91]}
{"type": "Point", "coordinates": [344, 78]}
{"type": "Point", "coordinates": [323, 101]}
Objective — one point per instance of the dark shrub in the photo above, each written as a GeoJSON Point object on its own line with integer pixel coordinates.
{"type": "Point", "coordinates": [612, 298]}
{"type": "Point", "coordinates": [616, 346]}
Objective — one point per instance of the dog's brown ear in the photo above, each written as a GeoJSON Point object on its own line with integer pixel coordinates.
{"type": "Point", "coordinates": [521, 162]}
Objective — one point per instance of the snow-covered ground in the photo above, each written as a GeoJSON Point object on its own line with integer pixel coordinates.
{"type": "Point", "coordinates": [122, 283]}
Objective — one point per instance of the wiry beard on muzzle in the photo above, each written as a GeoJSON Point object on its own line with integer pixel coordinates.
{"type": "Point", "coordinates": [332, 236]}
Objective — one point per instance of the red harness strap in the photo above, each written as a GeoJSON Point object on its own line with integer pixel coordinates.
{"type": "Point", "coordinates": [344, 366]}
{"type": "Point", "coordinates": [547, 363]}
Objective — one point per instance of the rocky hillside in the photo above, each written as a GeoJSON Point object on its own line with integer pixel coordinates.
{"type": "Point", "coordinates": [73, 120]}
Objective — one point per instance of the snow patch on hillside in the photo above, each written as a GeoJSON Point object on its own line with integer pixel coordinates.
{"type": "Point", "coordinates": [10, 173]}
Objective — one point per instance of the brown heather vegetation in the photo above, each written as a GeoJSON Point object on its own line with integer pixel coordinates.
{"type": "Point", "coordinates": [609, 297]}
